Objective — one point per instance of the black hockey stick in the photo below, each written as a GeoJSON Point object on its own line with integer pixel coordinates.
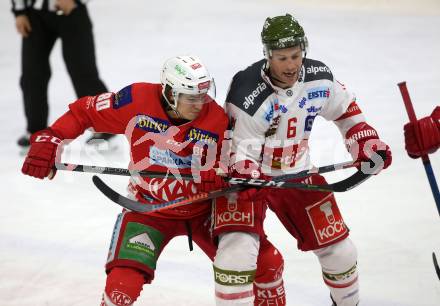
{"type": "Point", "coordinates": [341, 186]}
{"type": "Point", "coordinates": [118, 171]}
{"type": "Point", "coordinates": [437, 268]}
{"type": "Point", "coordinates": [148, 208]}
{"type": "Point", "coordinates": [154, 174]}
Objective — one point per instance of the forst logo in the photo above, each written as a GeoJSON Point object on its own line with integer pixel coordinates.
{"type": "Point", "coordinates": [249, 100]}
{"type": "Point", "coordinates": [316, 69]}
{"type": "Point", "coordinates": [232, 279]}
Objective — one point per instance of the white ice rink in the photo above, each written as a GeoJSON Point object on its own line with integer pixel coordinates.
{"type": "Point", "coordinates": [54, 235]}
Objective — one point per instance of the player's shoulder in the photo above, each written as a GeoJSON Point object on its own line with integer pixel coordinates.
{"type": "Point", "coordinates": [315, 70]}
{"type": "Point", "coordinates": [217, 114]}
{"type": "Point", "coordinates": [248, 90]}
{"type": "Point", "coordinates": [133, 92]}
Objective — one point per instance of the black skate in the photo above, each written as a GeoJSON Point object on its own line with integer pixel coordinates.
{"type": "Point", "coordinates": [24, 141]}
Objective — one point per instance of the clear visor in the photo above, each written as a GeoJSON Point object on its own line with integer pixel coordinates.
{"type": "Point", "coordinates": [203, 94]}
{"type": "Point", "coordinates": [193, 99]}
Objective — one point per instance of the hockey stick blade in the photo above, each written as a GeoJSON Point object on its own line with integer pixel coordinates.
{"type": "Point", "coordinates": [147, 208]}
{"type": "Point", "coordinates": [437, 268]}
{"type": "Point", "coordinates": [139, 207]}
{"type": "Point", "coordinates": [349, 183]}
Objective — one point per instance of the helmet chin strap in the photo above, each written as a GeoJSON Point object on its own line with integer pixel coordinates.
{"type": "Point", "coordinates": [169, 105]}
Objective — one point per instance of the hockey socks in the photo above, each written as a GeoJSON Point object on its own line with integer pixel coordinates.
{"type": "Point", "coordinates": [123, 287]}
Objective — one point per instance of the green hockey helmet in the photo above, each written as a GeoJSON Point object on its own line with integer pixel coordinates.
{"type": "Point", "coordinates": [282, 32]}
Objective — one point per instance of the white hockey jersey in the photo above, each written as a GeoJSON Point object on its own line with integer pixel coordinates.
{"type": "Point", "coordinates": [271, 126]}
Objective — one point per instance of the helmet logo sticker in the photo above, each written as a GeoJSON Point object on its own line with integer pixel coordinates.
{"type": "Point", "coordinates": [195, 66]}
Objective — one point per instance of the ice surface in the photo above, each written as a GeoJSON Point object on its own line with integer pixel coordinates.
{"type": "Point", "coordinates": [54, 235]}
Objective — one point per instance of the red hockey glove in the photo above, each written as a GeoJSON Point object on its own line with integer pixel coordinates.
{"type": "Point", "coordinates": [363, 143]}
{"type": "Point", "coordinates": [40, 159]}
{"type": "Point", "coordinates": [211, 181]}
{"type": "Point", "coordinates": [423, 137]}
{"type": "Point", "coordinates": [247, 169]}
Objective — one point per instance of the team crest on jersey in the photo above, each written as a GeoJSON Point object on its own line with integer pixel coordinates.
{"type": "Point", "coordinates": [122, 97]}
{"type": "Point", "coordinates": [151, 124]}
{"type": "Point", "coordinates": [196, 135]}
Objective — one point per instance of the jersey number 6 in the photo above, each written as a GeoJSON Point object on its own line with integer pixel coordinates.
{"type": "Point", "coordinates": [291, 127]}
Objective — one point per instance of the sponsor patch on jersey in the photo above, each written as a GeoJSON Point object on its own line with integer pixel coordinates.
{"type": "Point", "coordinates": [326, 220]}
{"type": "Point", "coordinates": [141, 243]}
{"type": "Point", "coordinates": [280, 158]}
{"type": "Point", "coordinates": [122, 97]}
{"type": "Point", "coordinates": [268, 114]}
{"type": "Point", "coordinates": [248, 90]}
{"type": "Point", "coordinates": [249, 99]}
{"type": "Point", "coordinates": [314, 109]}
{"type": "Point", "coordinates": [302, 102]}
{"type": "Point", "coordinates": [151, 124]}
{"type": "Point", "coordinates": [316, 70]}
{"type": "Point", "coordinates": [308, 123]}
{"type": "Point", "coordinates": [167, 190]}
{"type": "Point", "coordinates": [352, 110]}
{"type": "Point", "coordinates": [169, 159]}
{"type": "Point", "coordinates": [196, 134]}
{"type": "Point", "coordinates": [318, 93]}
{"type": "Point", "coordinates": [231, 214]}
{"type": "Point", "coordinates": [283, 108]}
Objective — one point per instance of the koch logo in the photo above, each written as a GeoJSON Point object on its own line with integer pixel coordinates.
{"type": "Point", "coordinates": [249, 100]}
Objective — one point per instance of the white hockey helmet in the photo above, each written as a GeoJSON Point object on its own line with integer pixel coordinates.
{"type": "Point", "coordinates": [185, 74]}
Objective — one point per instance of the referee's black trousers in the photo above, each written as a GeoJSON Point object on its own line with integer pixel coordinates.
{"type": "Point", "coordinates": [75, 31]}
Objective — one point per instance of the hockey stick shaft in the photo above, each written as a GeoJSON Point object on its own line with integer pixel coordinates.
{"type": "Point", "coordinates": [153, 174]}
{"type": "Point", "coordinates": [425, 158]}
{"type": "Point", "coordinates": [117, 171]}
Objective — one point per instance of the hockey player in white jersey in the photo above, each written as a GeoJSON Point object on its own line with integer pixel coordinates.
{"type": "Point", "coordinates": [272, 105]}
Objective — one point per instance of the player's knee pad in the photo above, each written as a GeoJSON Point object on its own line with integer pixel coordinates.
{"type": "Point", "coordinates": [268, 284]}
{"type": "Point", "coordinates": [123, 287]}
{"type": "Point", "coordinates": [235, 266]}
{"type": "Point", "coordinates": [339, 269]}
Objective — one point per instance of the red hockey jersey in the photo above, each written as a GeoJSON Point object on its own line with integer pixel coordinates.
{"type": "Point", "coordinates": [155, 143]}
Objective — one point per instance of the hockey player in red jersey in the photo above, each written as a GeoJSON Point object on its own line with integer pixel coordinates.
{"type": "Point", "coordinates": [171, 127]}
{"type": "Point", "coordinates": [423, 137]}
{"type": "Point", "coordinates": [273, 104]}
